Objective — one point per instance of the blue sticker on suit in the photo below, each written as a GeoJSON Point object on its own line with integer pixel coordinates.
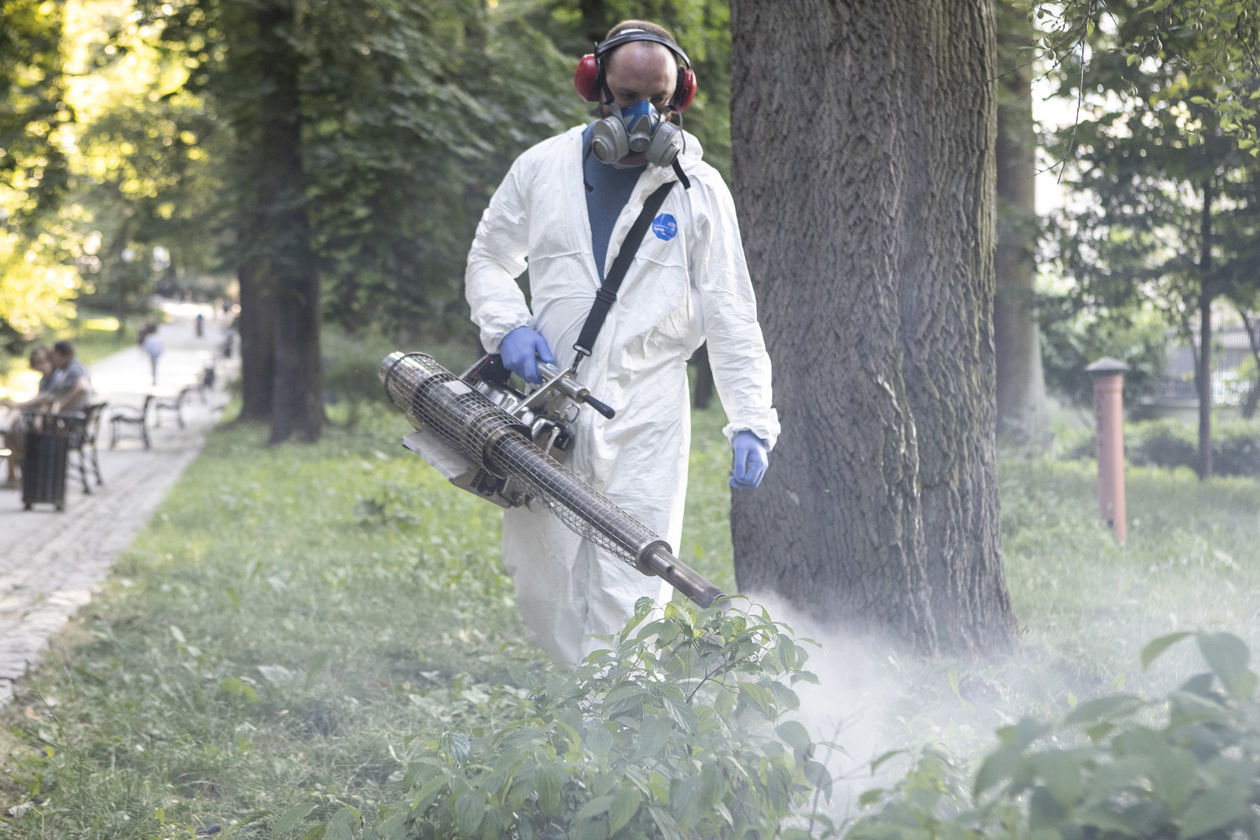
{"type": "Point", "coordinates": [665, 227]}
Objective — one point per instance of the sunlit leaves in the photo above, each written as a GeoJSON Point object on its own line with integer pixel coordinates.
{"type": "Point", "coordinates": [35, 287]}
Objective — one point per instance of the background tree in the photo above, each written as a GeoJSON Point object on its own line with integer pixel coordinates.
{"type": "Point", "coordinates": [398, 120]}
{"type": "Point", "coordinates": [34, 171]}
{"type": "Point", "coordinates": [863, 156]}
{"type": "Point", "coordinates": [1170, 215]}
{"type": "Point", "coordinates": [1022, 414]}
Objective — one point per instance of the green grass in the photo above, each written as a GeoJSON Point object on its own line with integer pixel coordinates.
{"type": "Point", "coordinates": [296, 621]}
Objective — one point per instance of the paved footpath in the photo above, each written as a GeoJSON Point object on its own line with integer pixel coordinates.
{"type": "Point", "coordinates": [51, 562]}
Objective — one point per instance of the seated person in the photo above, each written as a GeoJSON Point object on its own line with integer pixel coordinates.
{"type": "Point", "coordinates": [71, 387]}
{"type": "Point", "coordinates": [15, 433]}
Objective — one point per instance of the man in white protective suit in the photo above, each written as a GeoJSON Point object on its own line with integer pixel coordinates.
{"type": "Point", "coordinates": [565, 209]}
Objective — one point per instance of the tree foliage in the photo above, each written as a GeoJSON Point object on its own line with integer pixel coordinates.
{"type": "Point", "coordinates": [1218, 47]}
{"type": "Point", "coordinates": [34, 167]}
{"type": "Point", "coordinates": [33, 163]}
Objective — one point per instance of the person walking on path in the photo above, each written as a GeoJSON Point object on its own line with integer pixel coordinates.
{"type": "Point", "coordinates": [152, 347]}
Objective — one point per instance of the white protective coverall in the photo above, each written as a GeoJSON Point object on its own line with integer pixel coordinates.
{"type": "Point", "coordinates": [688, 283]}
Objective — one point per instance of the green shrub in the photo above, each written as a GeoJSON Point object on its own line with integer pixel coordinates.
{"type": "Point", "coordinates": [350, 366]}
{"type": "Point", "coordinates": [1076, 444]}
{"type": "Point", "coordinates": [1161, 443]}
{"type": "Point", "coordinates": [1172, 443]}
{"type": "Point", "coordinates": [679, 730]}
{"type": "Point", "coordinates": [1117, 766]}
{"type": "Point", "coordinates": [352, 362]}
{"type": "Point", "coordinates": [1236, 448]}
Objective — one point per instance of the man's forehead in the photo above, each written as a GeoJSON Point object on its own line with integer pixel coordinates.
{"type": "Point", "coordinates": [637, 52]}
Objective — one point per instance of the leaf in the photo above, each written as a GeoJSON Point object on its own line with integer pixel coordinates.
{"type": "Point", "coordinates": [653, 736]}
{"type": "Point", "coordinates": [795, 735]}
{"type": "Point", "coordinates": [1156, 647]}
{"type": "Point", "coordinates": [998, 767]}
{"type": "Point", "coordinates": [879, 762]}
{"type": "Point", "coordinates": [1104, 709]}
{"type": "Point", "coordinates": [340, 827]}
{"type": "Point", "coordinates": [756, 696]}
{"type": "Point", "coordinates": [596, 807]}
{"type": "Point", "coordinates": [289, 819]}
{"type": "Point", "coordinates": [598, 741]}
{"type": "Point", "coordinates": [457, 745]}
{"type": "Point", "coordinates": [817, 774]}
{"type": "Point", "coordinates": [1227, 656]}
{"type": "Point", "coordinates": [624, 806]}
{"type": "Point", "coordinates": [1062, 775]}
{"type": "Point", "coordinates": [470, 807]}
{"type": "Point", "coordinates": [1213, 810]}
{"type": "Point", "coordinates": [713, 785]}
{"type": "Point", "coordinates": [549, 781]}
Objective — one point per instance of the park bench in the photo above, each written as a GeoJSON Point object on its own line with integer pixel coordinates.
{"type": "Point", "coordinates": [172, 403]}
{"type": "Point", "coordinates": [82, 443]}
{"type": "Point", "coordinates": [135, 420]}
{"type": "Point", "coordinates": [126, 419]}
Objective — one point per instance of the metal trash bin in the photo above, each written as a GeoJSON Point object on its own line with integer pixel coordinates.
{"type": "Point", "coordinates": [44, 462]}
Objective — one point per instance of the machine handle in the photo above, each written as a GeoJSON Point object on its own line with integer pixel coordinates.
{"type": "Point", "coordinates": [602, 407]}
{"type": "Point", "coordinates": [565, 381]}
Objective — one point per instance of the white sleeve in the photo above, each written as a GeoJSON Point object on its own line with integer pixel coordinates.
{"type": "Point", "coordinates": [496, 259]}
{"type": "Point", "coordinates": [737, 350]}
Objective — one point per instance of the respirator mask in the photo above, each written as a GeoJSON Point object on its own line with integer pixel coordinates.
{"type": "Point", "coordinates": [639, 129]}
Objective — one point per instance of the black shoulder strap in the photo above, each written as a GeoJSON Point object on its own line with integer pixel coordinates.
{"type": "Point", "coordinates": [607, 292]}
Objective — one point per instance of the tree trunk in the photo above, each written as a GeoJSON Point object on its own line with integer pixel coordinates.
{"type": "Point", "coordinates": [297, 403]}
{"type": "Point", "coordinates": [1021, 387]}
{"type": "Point", "coordinates": [1203, 370]}
{"type": "Point", "coordinates": [1203, 384]}
{"type": "Point", "coordinates": [258, 342]}
{"type": "Point", "coordinates": [863, 169]}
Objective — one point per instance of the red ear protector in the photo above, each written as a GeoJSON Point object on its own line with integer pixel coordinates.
{"type": "Point", "coordinates": [588, 79]}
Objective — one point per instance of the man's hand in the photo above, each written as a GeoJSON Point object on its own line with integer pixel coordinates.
{"type": "Point", "coordinates": [751, 460]}
{"type": "Point", "coordinates": [519, 350]}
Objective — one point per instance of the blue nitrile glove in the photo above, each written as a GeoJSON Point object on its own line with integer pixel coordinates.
{"type": "Point", "coordinates": [518, 350]}
{"type": "Point", "coordinates": [751, 460]}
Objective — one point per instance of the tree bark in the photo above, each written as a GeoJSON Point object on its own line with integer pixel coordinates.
{"type": "Point", "coordinates": [1021, 387]}
{"type": "Point", "coordinates": [864, 173]}
{"type": "Point", "coordinates": [258, 342]}
{"type": "Point", "coordinates": [1203, 370]}
{"type": "Point", "coordinates": [297, 401]}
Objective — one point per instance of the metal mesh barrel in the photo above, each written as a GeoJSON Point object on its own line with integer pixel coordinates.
{"type": "Point", "coordinates": [433, 398]}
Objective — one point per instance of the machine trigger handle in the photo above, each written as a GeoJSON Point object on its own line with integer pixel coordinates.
{"type": "Point", "coordinates": [602, 407]}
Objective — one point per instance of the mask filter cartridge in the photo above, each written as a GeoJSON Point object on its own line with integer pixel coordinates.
{"type": "Point", "coordinates": [639, 129]}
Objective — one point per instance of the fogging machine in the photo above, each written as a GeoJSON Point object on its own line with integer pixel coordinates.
{"type": "Point", "coordinates": [507, 446]}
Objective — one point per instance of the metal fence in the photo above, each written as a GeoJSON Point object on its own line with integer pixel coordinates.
{"type": "Point", "coordinates": [1230, 348]}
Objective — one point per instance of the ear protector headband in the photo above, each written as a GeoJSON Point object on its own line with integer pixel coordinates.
{"type": "Point", "coordinates": [588, 79]}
